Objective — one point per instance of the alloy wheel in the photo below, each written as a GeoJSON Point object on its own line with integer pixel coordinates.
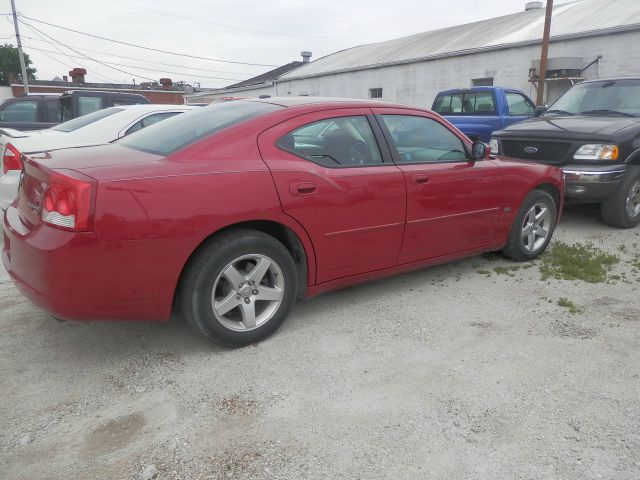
{"type": "Point", "coordinates": [633, 200]}
{"type": "Point", "coordinates": [536, 227]}
{"type": "Point", "coordinates": [248, 292]}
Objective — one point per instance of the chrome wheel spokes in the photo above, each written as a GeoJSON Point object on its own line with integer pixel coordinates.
{"type": "Point", "coordinates": [536, 227]}
{"type": "Point", "coordinates": [248, 292]}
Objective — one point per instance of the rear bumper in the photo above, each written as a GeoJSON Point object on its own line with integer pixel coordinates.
{"type": "Point", "coordinates": [592, 183]}
{"type": "Point", "coordinates": [79, 277]}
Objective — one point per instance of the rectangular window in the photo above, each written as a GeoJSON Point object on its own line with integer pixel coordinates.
{"type": "Point", "coordinates": [423, 140]}
{"type": "Point", "coordinates": [334, 142]}
{"type": "Point", "coordinates": [482, 82]}
{"type": "Point", "coordinates": [375, 93]}
{"type": "Point", "coordinates": [89, 105]}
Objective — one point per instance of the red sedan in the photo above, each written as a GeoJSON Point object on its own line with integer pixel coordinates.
{"type": "Point", "coordinates": [233, 211]}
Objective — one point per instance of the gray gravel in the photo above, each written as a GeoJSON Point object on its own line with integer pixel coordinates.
{"type": "Point", "coordinates": [444, 373]}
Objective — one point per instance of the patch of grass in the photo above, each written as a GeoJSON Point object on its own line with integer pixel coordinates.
{"type": "Point", "coordinates": [568, 304]}
{"type": "Point", "coordinates": [508, 270]}
{"type": "Point", "coordinates": [484, 272]}
{"type": "Point", "coordinates": [577, 262]}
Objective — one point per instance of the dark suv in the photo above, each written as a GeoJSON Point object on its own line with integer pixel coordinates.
{"type": "Point", "coordinates": [44, 110]}
{"type": "Point", "coordinates": [30, 112]}
{"type": "Point", "coordinates": [592, 132]}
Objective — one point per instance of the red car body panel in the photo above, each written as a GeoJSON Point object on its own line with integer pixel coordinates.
{"type": "Point", "coordinates": [354, 224]}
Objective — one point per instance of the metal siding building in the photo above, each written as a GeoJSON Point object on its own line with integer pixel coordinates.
{"type": "Point", "coordinates": [413, 69]}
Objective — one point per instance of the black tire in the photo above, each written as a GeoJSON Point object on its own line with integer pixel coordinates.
{"type": "Point", "coordinates": [515, 247]}
{"type": "Point", "coordinates": [614, 209]}
{"type": "Point", "coordinates": [204, 271]}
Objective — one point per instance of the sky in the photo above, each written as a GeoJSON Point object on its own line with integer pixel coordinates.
{"type": "Point", "coordinates": [259, 32]}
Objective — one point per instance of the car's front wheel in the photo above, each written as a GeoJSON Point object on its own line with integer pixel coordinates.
{"type": "Point", "coordinates": [239, 288]}
{"type": "Point", "coordinates": [622, 209]}
{"type": "Point", "coordinates": [532, 228]}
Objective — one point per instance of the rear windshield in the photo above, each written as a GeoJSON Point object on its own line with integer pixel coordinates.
{"type": "Point", "coordinates": [76, 123]}
{"type": "Point", "coordinates": [178, 132]}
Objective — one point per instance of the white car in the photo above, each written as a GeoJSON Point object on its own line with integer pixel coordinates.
{"type": "Point", "coordinates": [103, 126]}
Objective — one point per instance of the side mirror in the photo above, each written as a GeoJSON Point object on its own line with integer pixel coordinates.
{"type": "Point", "coordinates": [480, 151]}
{"type": "Point", "coordinates": [540, 110]}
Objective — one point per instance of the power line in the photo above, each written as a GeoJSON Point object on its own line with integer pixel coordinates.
{"type": "Point", "coordinates": [86, 56]}
{"type": "Point", "coordinates": [245, 74]}
{"type": "Point", "coordinates": [143, 68]}
{"type": "Point", "coordinates": [142, 46]}
{"type": "Point", "coordinates": [65, 54]}
{"type": "Point", "coordinates": [239, 27]}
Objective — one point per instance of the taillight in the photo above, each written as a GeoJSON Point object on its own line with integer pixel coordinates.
{"type": "Point", "coordinates": [11, 159]}
{"type": "Point", "coordinates": [68, 201]}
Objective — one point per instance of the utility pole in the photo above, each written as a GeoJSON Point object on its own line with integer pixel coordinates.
{"type": "Point", "coordinates": [545, 51]}
{"type": "Point", "coordinates": [25, 80]}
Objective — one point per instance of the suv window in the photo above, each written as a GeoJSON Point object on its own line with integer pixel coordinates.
{"type": "Point", "coordinates": [334, 142]}
{"type": "Point", "coordinates": [148, 121]}
{"type": "Point", "coordinates": [477, 103]}
{"type": "Point", "coordinates": [88, 104]}
{"type": "Point", "coordinates": [50, 110]}
{"type": "Point", "coordinates": [423, 140]}
{"type": "Point", "coordinates": [21, 111]}
{"type": "Point", "coordinates": [518, 105]}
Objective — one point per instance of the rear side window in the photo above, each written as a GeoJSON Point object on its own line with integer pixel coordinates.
{"type": "Point", "coordinates": [50, 110]}
{"type": "Point", "coordinates": [89, 104]}
{"type": "Point", "coordinates": [334, 142]}
{"type": "Point", "coordinates": [467, 103]}
{"type": "Point", "coordinates": [518, 105]}
{"type": "Point", "coordinates": [150, 120]}
{"type": "Point", "coordinates": [423, 140]}
{"type": "Point", "coordinates": [80, 122]}
{"type": "Point", "coordinates": [26, 111]}
{"type": "Point", "coordinates": [183, 130]}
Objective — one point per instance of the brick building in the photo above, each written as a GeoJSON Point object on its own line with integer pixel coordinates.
{"type": "Point", "coordinates": [164, 91]}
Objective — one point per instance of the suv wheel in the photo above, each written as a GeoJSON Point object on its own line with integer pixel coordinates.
{"type": "Point", "coordinates": [622, 209]}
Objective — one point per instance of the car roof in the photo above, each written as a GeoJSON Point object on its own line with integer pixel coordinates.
{"type": "Point", "coordinates": [612, 79]}
{"type": "Point", "coordinates": [156, 107]}
{"type": "Point", "coordinates": [296, 101]}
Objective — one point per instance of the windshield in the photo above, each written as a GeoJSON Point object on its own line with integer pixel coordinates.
{"type": "Point", "coordinates": [616, 97]}
{"type": "Point", "coordinates": [85, 120]}
{"type": "Point", "coordinates": [182, 130]}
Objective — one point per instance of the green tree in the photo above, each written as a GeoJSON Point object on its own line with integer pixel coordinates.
{"type": "Point", "coordinates": [10, 64]}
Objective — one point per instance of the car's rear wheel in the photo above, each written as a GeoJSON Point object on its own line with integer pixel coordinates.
{"type": "Point", "coordinates": [532, 228]}
{"type": "Point", "coordinates": [622, 209]}
{"type": "Point", "coordinates": [239, 288]}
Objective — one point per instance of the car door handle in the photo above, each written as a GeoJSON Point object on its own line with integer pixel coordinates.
{"type": "Point", "coordinates": [420, 179]}
{"type": "Point", "coordinates": [303, 188]}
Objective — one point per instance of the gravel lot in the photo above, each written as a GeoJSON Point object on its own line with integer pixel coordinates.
{"type": "Point", "coordinates": [445, 373]}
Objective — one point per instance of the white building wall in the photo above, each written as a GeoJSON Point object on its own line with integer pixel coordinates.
{"type": "Point", "coordinates": [226, 93]}
{"type": "Point", "coordinates": [418, 83]}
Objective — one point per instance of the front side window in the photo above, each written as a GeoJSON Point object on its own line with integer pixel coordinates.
{"type": "Point", "coordinates": [423, 140]}
{"type": "Point", "coordinates": [20, 112]}
{"type": "Point", "coordinates": [334, 142]}
{"type": "Point", "coordinates": [518, 105]}
{"type": "Point", "coordinates": [88, 104]}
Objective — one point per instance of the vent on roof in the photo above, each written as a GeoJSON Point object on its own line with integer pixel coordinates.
{"type": "Point", "coordinates": [306, 56]}
{"type": "Point", "coordinates": [532, 6]}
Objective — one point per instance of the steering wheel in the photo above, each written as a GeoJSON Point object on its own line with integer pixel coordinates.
{"type": "Point", "coordinates": [358, 152]}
